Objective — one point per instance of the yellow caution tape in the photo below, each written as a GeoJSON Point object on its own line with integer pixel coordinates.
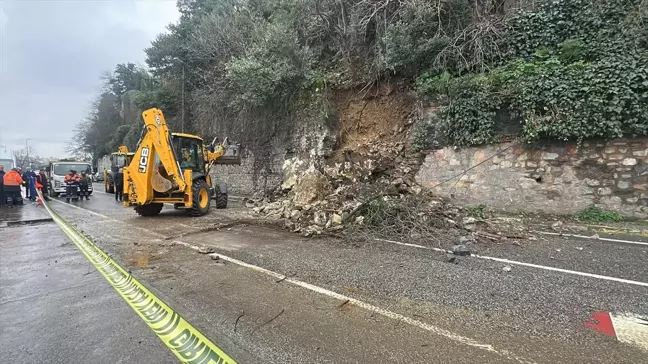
{"type": "Point", "coordinates": [184, 340]}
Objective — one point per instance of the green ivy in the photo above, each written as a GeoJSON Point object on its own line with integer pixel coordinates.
{"type": "Point", "coordinates": [596, 214]}
{"type": "Point", "coordinates": [572, 70]}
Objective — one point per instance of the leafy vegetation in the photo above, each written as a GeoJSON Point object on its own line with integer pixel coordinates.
{"type": "Point", "coordinates": [564, 69]}
{"type": "Point", "coordinates": [568, 70]}
{"type": "Point", "coordinates": [596, 214]}
{"type": "Point", "coordinates": [478, 211]}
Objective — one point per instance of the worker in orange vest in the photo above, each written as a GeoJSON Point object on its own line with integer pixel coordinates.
{"type": "Point", "coordinates": [12, 182]}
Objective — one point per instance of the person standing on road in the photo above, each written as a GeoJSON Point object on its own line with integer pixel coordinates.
{"type": "Point", "coordinates": [3, 199]}
{"type": "Point", "coordinates": [119, 185]}
{"type": "Point", "coordinates": [85, 182]}
{"type": "Point", "coordinates": [12, 182]}
{"type": "Point", "coordinates": [71, 179]}
{"type": "Point", "coordinates": [29, 177]}
{"type": "Point", "coordinates": [41, 178]}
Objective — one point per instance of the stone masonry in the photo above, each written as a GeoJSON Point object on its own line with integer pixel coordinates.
{"type": "Point", "coordinates": [557, 178]}
{"type": "Point", "coordinates": [253, 175]}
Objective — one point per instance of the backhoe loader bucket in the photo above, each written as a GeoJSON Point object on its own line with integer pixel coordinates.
{"type": "Point", "coordinates": [232, 155]}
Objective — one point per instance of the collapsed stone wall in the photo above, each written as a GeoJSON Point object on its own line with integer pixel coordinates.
{"type": "Point", "coordinates": [343, 146]}
{"type": "Point", "coordinates": [557, 178]}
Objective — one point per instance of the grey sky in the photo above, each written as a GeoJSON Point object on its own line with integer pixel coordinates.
{"type": "Point", "coordinates": [52, 55]}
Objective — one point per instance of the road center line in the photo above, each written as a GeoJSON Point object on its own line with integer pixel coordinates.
{"type": "Point", "coordinates": [111, 219]}
{"type": "Point", "coordinates": [381, 311]}
{"type": "Point", "coordinates": [81, 208]}
{"type": "Point", "coordinates": [594, 237]}
{"type": "Point", "coordinates": [531, 265]}
{"type": "Point", "coordinates": [501, 260]}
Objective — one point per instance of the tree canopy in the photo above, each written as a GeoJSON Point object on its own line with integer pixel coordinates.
{"type": "Point", "coordinates": [244, 67]}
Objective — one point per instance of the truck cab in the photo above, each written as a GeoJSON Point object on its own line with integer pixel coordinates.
{"type": "Point", "coordinates": [58, 170]}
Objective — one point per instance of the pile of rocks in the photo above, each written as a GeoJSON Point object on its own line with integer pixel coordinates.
{"type": "Point", "coordinates": [317, 196]}
{"type": "Point", "coordinates": [309, 210]}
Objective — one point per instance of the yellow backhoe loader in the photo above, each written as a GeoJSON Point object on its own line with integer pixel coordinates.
{"type": "Point", "coordinates": [174, 168]}
{"type": "Point", "coordinates": [119, 159]}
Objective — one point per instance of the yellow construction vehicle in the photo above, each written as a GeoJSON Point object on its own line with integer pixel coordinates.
{"type": "Point", "coordinates": [174, 168]}
{"type": "Point", "coordinates": [119, 159]}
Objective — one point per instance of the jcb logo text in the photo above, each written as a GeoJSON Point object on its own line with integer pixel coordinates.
{"type": "Point", "coordinates": [143, 161]}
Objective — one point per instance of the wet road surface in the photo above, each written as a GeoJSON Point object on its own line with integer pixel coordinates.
{"type": "Point", "coordinates": [56, 308]}
{"type": "Point", "coordinates": [408, 305]}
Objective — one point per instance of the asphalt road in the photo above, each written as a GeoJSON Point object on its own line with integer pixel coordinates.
{"type": "Point", "coordinates": [328, 302]}
{"type": "Point", "coordinates": [56, 308]}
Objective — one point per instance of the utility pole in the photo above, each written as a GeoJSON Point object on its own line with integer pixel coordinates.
{"type": "Point", "coordinates": [27, 162]}
{"type": "Point", "coordinates": [182, 112]}
{"type": "Point", "coordinates": [183, 97]}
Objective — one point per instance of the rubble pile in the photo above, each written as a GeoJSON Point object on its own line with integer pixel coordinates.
{"type": "Point", "coordinates": [324, 198]}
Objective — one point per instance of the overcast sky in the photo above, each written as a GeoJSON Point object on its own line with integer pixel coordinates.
{"type": "Point", "coordinates": [52, 55]}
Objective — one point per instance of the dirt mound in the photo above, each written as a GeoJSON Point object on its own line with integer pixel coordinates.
{"type": "Point", "coordinates": [378, 114]}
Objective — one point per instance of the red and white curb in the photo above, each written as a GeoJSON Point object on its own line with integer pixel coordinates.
{"type": "Point", "coordinates": [626, 327]}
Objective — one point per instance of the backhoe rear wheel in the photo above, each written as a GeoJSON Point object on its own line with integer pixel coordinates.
{"type": "Point", "coordinates": [151, 209]}
{"type": "Point", "coordinates": [201, 198]}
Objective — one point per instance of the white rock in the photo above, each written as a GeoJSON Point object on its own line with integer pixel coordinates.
{"type": "Point", "coordinates": [336, 219]}
{"type": "Point", "coordinates": [629, 162]}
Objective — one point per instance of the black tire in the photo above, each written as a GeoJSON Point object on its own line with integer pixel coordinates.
{"type": "Point", "coordinates": [151, 209]}
{"type": "Point", "coordinates": [201, 198]}
{"type": "Point", "coordinates": [67, 199]}
{"type": "Point", "coordinates": [221, 200]}
{"type": "Point", "coordinates": [57, 194]}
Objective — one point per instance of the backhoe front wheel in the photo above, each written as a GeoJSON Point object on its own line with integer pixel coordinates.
{"type": "Point", "coordinates": [151, 209]}
{"type": "Point", "coordinates": [221, 199]}
{"type": "Point", "coordinates": [201, 198]}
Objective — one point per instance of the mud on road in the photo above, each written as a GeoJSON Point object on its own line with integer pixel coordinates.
{"type": "Point", "coordinates": [266, 295]}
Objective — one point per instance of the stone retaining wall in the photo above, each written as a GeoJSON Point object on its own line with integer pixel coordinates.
{"type": "Point", "coordinates": [558, 178]}
{"type": "Point", "coordinates": [254, 175]}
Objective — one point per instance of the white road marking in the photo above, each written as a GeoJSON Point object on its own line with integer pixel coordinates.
{"type": "Point", "coordinates": [627, 328]}
{"type": "Point", "coordinates": [389, 314]}
{"type": "Point", "coordinates": [381, 311]}
{"type": "Point", "coordinates": [81, 208]}
{"type": "Point", "coordinates": [594, 237]}
{"type": "Point", "coordinates": [508, 261]}
{"type": "Point", "coordinates": [111, 219]}
{"type": "Point", "coordinates": [501, 260]}
{"type": "Point", "coordinates": [631, 329]}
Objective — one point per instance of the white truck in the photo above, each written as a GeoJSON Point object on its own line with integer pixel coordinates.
{"type": "Point", "coordinates": [103, 164]}
{"type": "Point", "coordinates": [58, 170]}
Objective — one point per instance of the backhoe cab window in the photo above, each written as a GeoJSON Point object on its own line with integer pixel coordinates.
{"type": "Point", "coordinates": [190, 154]}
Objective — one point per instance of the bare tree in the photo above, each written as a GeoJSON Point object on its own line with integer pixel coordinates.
{"type": "Point", "coordinates": [26, 158]}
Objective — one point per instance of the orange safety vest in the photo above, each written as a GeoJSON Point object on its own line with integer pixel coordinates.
{"type": "Point", "coordinates": [69, 177]}
{"type": "Point", "coordinates": [12, 178]}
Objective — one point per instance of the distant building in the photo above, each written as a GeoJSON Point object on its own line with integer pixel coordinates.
{"type": "Point", "coordinates": [6, 158]}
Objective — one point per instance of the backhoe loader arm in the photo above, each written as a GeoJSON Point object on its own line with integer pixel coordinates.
{"type": "Point", "coordinates": [155, 142]}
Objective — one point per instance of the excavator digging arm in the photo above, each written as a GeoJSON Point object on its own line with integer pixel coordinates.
{"type": "Point", "coordinates": [156, 141]}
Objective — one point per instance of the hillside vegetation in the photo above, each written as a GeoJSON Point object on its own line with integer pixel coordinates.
{"type": "Point", "coordinates": [565, 69]}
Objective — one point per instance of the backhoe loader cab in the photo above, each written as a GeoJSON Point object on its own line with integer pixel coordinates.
{"type": "Point", "coordinates": [119, 159]}
{"type": "Point", "coordinates": [172, 168]}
